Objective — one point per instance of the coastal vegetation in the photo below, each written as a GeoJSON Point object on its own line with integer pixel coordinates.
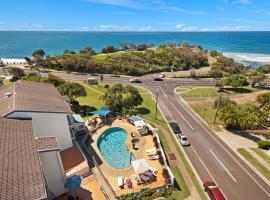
{"type": "Point", "coordinates": [131, 60]}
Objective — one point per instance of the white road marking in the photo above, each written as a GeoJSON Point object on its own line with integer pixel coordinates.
{"type": "Point", "coordinates": [224, 167]}
{"type": "Point", "coordinates": [195, 118]}
{"type": "Point", "coordinates": [160, 102]}
{"type": "Point", "coordinates": [163, 92]}
{"type": "Point", "coordinates": [183, 117]}
{"type": "Point", "coordinates": [236, 161]}
{"type": "Point", "coordinates": [207, 170]}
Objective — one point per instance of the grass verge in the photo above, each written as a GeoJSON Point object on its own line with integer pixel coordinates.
{"type": "Point", "coordinates": [252, 160]}
{"type": "Point", "coordinates": [262, 154]}
{"type": "Point", "coordinates": [92, 98]}
{"type": "Point", "coordinates": [207, 112]}
{"type": "Point", "coordinates": [211, 92]}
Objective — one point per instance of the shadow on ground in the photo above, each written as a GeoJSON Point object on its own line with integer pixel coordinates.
{"type": "Point", "coordinates": [143, 110]}
{"type": "Point", "coordinates": [246, 134]}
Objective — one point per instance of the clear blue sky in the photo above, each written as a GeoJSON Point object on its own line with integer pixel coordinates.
{"type": "Point", "coordinates": [135, 15]}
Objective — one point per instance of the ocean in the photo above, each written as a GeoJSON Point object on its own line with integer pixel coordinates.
{"type": "Point", "coordinates": [247, 47]}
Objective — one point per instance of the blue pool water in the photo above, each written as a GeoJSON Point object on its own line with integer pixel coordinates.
{"type": "Point", "coordinates": [112, 145]}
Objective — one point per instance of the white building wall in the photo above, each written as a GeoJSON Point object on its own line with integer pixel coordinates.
{"type": "Point", "coordinates": [49, 124]}
{"type": "Point", "coordinates": [53, 172]}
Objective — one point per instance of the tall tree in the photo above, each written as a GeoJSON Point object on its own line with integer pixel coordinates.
{"type": "Point", "coordinates": [71, 90]}
{"type": "Point", "coordinates": [237, 80]}
{"type": "Point", "coordinates": [122, 99]}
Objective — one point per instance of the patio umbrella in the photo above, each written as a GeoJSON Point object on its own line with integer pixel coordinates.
{"type": "Point", "coordinates": [73, 182]}
{"type": "Point", "coordinates": [140, 166]}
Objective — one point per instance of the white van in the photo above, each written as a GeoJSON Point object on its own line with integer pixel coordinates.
{"type": "Point", "coordinates": [92, 81]}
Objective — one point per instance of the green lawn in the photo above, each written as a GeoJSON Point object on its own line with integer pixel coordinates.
{"type": "Point", "coordinates": [92, 98]}
{"type": "Point", "coordinates": [200, 92]}
{"type": "Point", "coordinates": [181, 89]}
{"type": "Point", "coordinates": [261, 153]}
{"type": "Point", "coordinates": [203, 92]}
{"type": "Point", "coordinates": [207, 112]}
{"type": "Point", "coordinates": [252, 160]}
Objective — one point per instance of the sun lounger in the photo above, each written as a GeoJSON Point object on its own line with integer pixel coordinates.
{"type": "Point", "coordinates": [150, 174]}
{"type": "Point", "coordinates": [144, 178]}
{"type": "Point", "coordinates": [151, 150]}
{"type": "Point", "coordinates": [154, 157]}
{"type": "Point", "coordinates": [120, 181]}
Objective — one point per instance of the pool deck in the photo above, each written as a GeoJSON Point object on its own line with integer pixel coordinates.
{"type": "Point", "coordinates": [146, 142]}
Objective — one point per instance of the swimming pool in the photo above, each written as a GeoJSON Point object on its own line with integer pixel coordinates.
{"type": "Point", "coordinates": [112, 145]}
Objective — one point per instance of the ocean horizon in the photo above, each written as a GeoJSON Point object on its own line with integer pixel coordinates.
{"type": "Point", "coordinates": [248, 47]}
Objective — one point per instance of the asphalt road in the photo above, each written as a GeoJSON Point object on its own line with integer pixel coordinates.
{"type": "Point", "coordinates": [209, 155]}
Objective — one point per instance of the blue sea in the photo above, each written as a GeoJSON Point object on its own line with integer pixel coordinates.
{"type": "Point", "coordinates": [247, 47]}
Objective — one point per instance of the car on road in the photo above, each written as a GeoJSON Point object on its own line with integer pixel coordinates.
{"type": "Point", "coordinates": [158, 79]}
{"type": "Point", "coordinates": [183, 139]}
{"type": "Point", "coordinates": [162, 75]}
{"type": "Point", "coordinates": [175, 127]}
{"type": "Point", "coordinates": [135, 80]}
{"type": "Point", "coordinates": [213, 191]}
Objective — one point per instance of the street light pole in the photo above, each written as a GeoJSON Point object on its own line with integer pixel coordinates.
{"type": "Point", "coordinates": [218, 105]}
{"type": "Point", "coordinates": [157, 102]}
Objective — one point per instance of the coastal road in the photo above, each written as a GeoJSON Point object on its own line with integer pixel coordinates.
{"type": "Point", "coordinates": [209, 155]}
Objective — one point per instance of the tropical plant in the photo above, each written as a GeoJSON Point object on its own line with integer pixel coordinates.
{"type": "Point", "coordinates": [71, 90]}
{"type": "Point", "coordinates": [236, 80]}
{"type": "Point", "coordinates": [122, 99]}
{"type": "Point", "coordinates": [240, 116]}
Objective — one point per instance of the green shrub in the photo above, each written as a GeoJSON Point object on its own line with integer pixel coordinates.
{"type": "Point", "coordinates": [106, 86]}
{"type": "Point", "coordinates": [33, 78]}
{"type": "Point", "coordinates": [264, 144]}
{"type": "Point", "coordinates": [166, 192]}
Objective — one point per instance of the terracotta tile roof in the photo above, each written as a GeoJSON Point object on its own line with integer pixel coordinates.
{"type": "Point", "coordinates": [20, 169]}
{"type": "Point", "coordinates": [32, 96]}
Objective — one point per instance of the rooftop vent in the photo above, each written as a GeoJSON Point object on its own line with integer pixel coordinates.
{"type": "Point", "coordinates": [8, 94]}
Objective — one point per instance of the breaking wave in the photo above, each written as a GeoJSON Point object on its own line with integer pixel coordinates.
{"type": "Point", "coordinates": [255, 60]}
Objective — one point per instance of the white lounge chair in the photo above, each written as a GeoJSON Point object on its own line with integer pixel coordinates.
{"type": "Point", "coordinates": [151, 150]}
{"type": "Point", "coordinates": [120, 181]}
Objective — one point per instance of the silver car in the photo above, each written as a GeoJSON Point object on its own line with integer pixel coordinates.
{"type": "Point", "coordinates": [183, 140]}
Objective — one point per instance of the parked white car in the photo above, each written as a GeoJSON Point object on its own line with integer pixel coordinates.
{"type": "Point", "coordinates": [162, 75]}
{"type": "Point", "coordinates": [183, 140]}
